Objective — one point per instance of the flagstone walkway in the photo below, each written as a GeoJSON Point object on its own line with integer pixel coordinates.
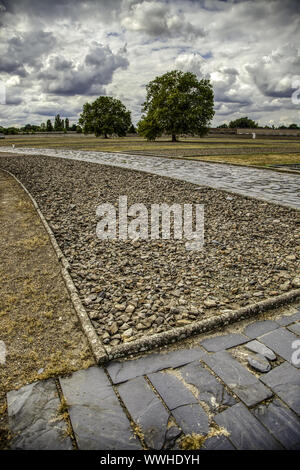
{"type": "Point", "coordinates": [154, 401]}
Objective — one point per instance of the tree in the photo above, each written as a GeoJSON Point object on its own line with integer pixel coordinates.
{"type": "Point", "coordinates": [58, 123]}
{"type": "Point", "coordinates": [293, 126]}
{"type": "Point", "coordinates": [49, 127]}
{"type": "Point", "coordinates": [67, 124]}
{"type": "Point", "coordinates": [105, 116]}
{"type": "Point", "coordinates": [243, 123]}
{"type": "Point", "coordinates": [223, 126]}
{"type": "Point", "coordinates": [177, 103]}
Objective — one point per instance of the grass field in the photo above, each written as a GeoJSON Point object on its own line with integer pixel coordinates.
{"type": "Point", "coordinates": [234, 149]}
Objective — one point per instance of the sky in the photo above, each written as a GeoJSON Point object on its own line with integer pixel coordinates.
{"type": "Point", "coordinates": [57, 55]}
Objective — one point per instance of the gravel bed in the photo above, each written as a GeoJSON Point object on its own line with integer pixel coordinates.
{"type": "Point", "coordinates": [136, 288]}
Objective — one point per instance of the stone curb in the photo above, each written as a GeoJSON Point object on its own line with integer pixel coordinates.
{"type": "Point", "coordinates": [92, 337]}
{"type": "Point", "coordinates": [217, 321]}
{"type": "Point", "coordinates": [103, 354]}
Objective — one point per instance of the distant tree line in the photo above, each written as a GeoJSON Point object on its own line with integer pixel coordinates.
{"type": "Point", "coordinates": [246, 123]}
{"type": "Point", "coordinates": [60, 125]}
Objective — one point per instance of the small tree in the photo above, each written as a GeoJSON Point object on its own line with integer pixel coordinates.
{"type": "Point", "coordinates": [67, 124]}
{"type": "Point", "coordinates": [49, 127]}
{"type": "Point", "coordinates": [58, 123]}
{"type": "Point", "coordinates": [177, 103]}
{"type": "Point", "coordinates": [243, 123]}
{"type": "Point", "coordinates": [105, 116]}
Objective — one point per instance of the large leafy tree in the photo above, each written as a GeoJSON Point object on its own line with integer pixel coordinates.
{"type": "Point", "coordinates": [105, 116]}
{"type": "Point", "coordinates": [177, 103]}
{"type": "Point", "coordinates": [243, 123]}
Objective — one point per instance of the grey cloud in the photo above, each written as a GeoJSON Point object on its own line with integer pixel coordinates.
{"type": "Point", "coordinates": [62, 9]}
{"type": "Point", "coordinates": [25, 49]}
{"type": "Point", "coordinates": [156, 19]}
{"type": "Point", "coordinates": [64, 77]}
{"type": "Point", "coordinates": [273, 75]}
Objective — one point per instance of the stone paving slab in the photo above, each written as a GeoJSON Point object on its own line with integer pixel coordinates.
{"type": "Point", "coordinates": [244, 384]}
{"type": "Point", "coordinates": [284, 380]}
{"type": "Point", "coordinates": [295, 328]}
{"type": "Point", "coordinates": [259, 363]}
{"type": "Point", "coordinates": [260, 348]}
{"type": "Point", "coordinates": [210, 390]}
{"type": "Point", "coordinates": [122, 371]}
{"type": "Point", "coordinates": [219, 343]}
{"type": "Point", "coordinates": [246, 432]}
{"type": "Point", "coordinates": [173, 392]}
{"type": "Point", "coordinates": [34, 420]}
{"type": "Point", "coordinates": [288, 319]}
{"type": "Point", "coordinates": [218, 443]}
{"type": "Point", "coordinates": [98, 420]}
{"type": "Point", "coordinates": [281, 341]}
{"type": "Point", "coordinates": [146, 410]}
{"type": "Point", "coordinates": [259, 328]}
{"type": "Point", "coordinates": [282, 188]}
{"type": "Point", "coordinates": [281, 422]}
{"type": "Point", "coordinates": [192, 419]}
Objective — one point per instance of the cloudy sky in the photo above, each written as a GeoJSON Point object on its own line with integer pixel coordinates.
{"type": "Point", "coordinates": [56, 55]}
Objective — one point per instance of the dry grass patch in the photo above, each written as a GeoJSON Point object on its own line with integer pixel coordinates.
{"type": "Point", "coordinates": [37, 321]}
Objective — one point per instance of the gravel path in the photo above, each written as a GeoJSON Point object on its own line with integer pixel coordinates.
{"type": "Point", "coordinates": [137, 288]}
{"type": "Point", "coordinates": [276, 187]}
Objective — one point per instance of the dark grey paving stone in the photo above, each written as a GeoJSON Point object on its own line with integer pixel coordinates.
{"type": "Point", "coordinates": [281, 342]}
{"type": "Point", "coordinates": [246, 432]}
{"type": "Point", "coordinates": [192, 419]}
{"type": "Point", "coordinates": [295, 328]}
{"type": "Point", "coordinates": [98, 420]}
{"type": "Point", "coordinates": [262, 349]}
{"type": "Point", "coordinates": [219, 343]}
{"type": "Point", "coordinates": [281, 422]}
{"type": "Point", "coordinates": [259, 328]}
{"type": "Point", "coordinates": [288, 319]}
{"type": "Point", "coordinates": [146, 410]}
{"type": "Point", "coordinates": [33, 413]}
{"type": "Point", "coordinates": [172, 390]}
{"type": "Point", "coordinates": [172, 434]}
{"type": "Point", "coordinates": [122, 371]}
{"type": "Point", "coordinates": [260, 363]}
{"type": "Point", "coordinates": [210, 390]}
{"type": "Point", "coordinates": [218, 443]}
{"type": "Point", "coordinates": [244, 384]}
{"type": "Point", "coordinates": [284, 380]}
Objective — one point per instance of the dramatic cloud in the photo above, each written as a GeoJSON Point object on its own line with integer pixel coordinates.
{"type": "Point", "coordinates": [156, 19]}
{"type": "Point", "coordinates": [55, 56]}
{"type": "Point", "coordinates": [65, 77]}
